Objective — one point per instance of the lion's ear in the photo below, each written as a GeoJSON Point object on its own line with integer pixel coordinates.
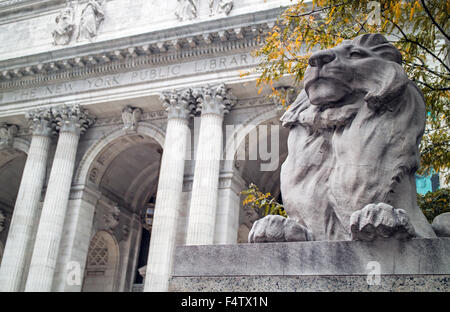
{"type": "Point", "coordinates": [386, 86]}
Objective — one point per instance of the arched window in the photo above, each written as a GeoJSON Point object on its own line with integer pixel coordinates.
{"type": "Point", "coordinates": [102, 263]}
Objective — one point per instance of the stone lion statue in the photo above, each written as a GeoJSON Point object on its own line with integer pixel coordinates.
{"type": "Point", "coordinates": [352, 149]}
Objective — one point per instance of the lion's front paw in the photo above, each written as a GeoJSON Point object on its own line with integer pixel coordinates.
{"type": "Point", "coordinates": [380, 220]}
{"type": "Point", "coordinates": [273, 228]}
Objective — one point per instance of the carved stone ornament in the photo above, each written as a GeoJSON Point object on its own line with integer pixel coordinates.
{"type": "Point", "coordinates": [179, 103]}
{"type": "Point", "coordinates": [92, 17]}
{"type": "Point", "coordinates": [72, 119]}
{"type": "Point", "coordinates": [186, 10]}
{"type": "Point", "coordinates": [41, 121]}
{"type": "Point", "coordinates": [64, 27]}
{"type": "Point", "coordinates": [111, 219]}
{"type": "Point", "coordinates": [214, 99]}
{"type": "Point", "coordinates": [2, 221]}
{"type": "Point", "coordinates": [7, 134]}
{"type": "Point", "coordinates": [130, 117]}
{"type": "Point", "coordinates": [220, 7]}
{"type": "Point", "coordinates": [353, 147]}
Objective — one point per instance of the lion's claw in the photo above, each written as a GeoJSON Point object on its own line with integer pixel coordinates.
{"type": "Point", "coordinates": [380, 221]}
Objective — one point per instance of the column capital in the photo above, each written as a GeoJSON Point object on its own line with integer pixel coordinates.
{"type": "Point", "coordinates": [7, 134]}
{"type": "Point", "coordinates": [72, 118]}
{"type": "Point", "coordinates": [179, 103]}
{"type": "Point", "coordinates": [40, 121]}
{"type": "Point", "coordinates": [216, 99]}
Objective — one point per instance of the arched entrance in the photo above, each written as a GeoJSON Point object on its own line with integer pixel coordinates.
{"type": "Point", "coordinates": [12, 163]}
{"type": "Point", "coordinates": [124, 170]}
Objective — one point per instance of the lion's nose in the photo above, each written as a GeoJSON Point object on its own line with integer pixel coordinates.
{"type": "Point", "coordinates": [321, 58]}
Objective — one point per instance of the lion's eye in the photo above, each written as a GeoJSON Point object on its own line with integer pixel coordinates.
{"type": "Point", "coordinates": [356, 54]}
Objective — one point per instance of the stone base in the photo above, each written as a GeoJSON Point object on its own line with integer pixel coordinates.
{"type": "Point", "coordinates": [415, 265]}
{"type": "Point", "coordinates": [310, 283]}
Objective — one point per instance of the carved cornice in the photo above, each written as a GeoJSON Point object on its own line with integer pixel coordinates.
{"type": "Point", "coordinates": [116, 57]}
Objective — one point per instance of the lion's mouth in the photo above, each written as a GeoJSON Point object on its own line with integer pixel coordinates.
{"type": "Point", "coordinates": [325, 90]}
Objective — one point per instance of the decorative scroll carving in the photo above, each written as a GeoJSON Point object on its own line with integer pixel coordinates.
{"type": "Point", "coordinates": [7, 134]}
{"type": "Point", "coordinates": [65, 25]}
{"type": "Point", "coordinates": [130, 117]}
{"type": "Point", "coordinates": [92, 16]}
{"type": "Point", "coordinates": [220, 7]}
{"type": "Point", "coordinates": [186, 10]}
{"type": "Point", "coordinates": [72, 118]}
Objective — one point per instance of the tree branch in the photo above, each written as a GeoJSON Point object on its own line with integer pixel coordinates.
{"type": "Point", "coordinates": [434, 21]}
{"type": "Point", "coordinates": [418, 43]}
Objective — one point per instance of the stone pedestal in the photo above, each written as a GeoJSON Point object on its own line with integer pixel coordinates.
{"type": "Point", "coordinates": [414, 265]}
{"type": "Point", "coordinates": [72, 121]}
{"type": "Point", "coordinates": [19, 243]}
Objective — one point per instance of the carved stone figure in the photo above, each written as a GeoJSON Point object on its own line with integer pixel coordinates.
{"type": "Point", "coordinates": [130, 117]}
{"type": "Point", "coordinates": [64, 27]}
{"type": "Point", "coordinates": [353, 145]}
{"type": "Point", "coordinates": [92, 16]}
{"type": "Point", "coordinates": [220, 7]}
{"type": "Point", "coordinates": [186, 10]}
{"type": "Point", "coordinates": [111, 218]}
{"type": "Point", "coordinates": [7, 134]}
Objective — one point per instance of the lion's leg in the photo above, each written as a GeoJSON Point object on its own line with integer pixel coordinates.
{"type": "Point", "coordinates": [380, 221]}
{"type": "Point", "coordinates": [273, 228]}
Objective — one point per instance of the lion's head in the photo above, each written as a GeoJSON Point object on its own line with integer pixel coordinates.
{"type": "Point", "coordinates": [355, 131]}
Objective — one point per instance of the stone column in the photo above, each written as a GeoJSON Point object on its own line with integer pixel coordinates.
{"type": "Point", "coordinates": [168, 197]}
{"type": "Point", "coordinates": [72, 121]}
{"type": "Point", "coordinates": [214, 103]}
{"type": "Point", "coordinates": [20, 237]}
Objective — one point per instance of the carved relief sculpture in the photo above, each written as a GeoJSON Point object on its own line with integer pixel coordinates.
{"type": "Point", "coordinates": [186, 10]}
{"type": "Point", "coordinates": [92, 16]}
{"type": "Point", "coordinates": [7, 134]}
{"type": "Point", "coordinates": [220, 7]}
{"type": "Point", "coordinates": [130, 117]}
{"type": "Point", "coordinates": [64, 27]}
{"type": "Point", "coordinates": [111, 219]}
{"type": "Point", "coordinates": [352, 149]}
